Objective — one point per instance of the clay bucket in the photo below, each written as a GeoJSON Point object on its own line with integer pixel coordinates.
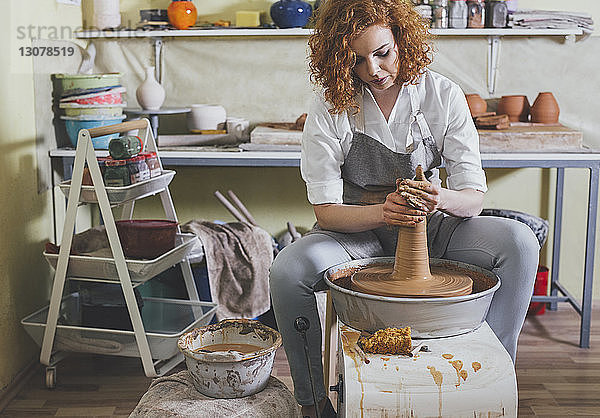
{"type": "Point", "coordinates": [230, 374]}
{"type": "Point", "coordinates": [427, 317]}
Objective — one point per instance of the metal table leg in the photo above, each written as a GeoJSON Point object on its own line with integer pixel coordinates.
{"type": "Point", "coordinates": [590, 244]}
{"type": "Point", "coordinates": [558, 206]}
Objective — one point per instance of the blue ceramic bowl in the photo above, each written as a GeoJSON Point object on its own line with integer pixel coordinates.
{"type": "Point", "coordinates": [75, 123]}
{"type": "Point", "coordinates": [291, 13]}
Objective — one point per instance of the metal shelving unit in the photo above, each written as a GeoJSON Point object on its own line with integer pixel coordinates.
{"type": "Point", "coordinates": [154, 344]}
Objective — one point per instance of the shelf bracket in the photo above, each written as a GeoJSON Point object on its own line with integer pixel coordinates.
{"type": "Point", "coordinates": [492, 62]}
{"type": "Point", "coordinates": [158, 43]}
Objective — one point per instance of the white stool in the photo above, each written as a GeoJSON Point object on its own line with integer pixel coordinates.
{"type": "Point", "coordinates": [470, 375]}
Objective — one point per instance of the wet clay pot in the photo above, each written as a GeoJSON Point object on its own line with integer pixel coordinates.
{"type": "Point", "coordinates": [515, 106]}
{"type": "Point", "coordinates": [545, 109]}
{"type": "Point", "coordinates": [476, 104]}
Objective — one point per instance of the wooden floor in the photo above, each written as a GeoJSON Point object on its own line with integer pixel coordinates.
{"type": "Point", "coordinates": [555, 376]}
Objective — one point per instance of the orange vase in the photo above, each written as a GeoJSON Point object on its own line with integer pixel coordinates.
{"type": "Point", "coordinates": [476, 104]}
{"type": "Point", "coordinates": [545, 109]}
{"type": "Point", "coordinates": [182, 14]}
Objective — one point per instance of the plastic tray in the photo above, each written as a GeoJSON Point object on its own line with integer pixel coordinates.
{"type": "Point", "coordinates": [165, 320]}
{"type": "Point", "coordinates": [118, 195]}
{"type": "Point", "coordinates": [139, 270]}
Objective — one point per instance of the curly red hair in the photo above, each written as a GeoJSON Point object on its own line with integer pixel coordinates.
{"type": "Point", "coordinates": [339, 22]}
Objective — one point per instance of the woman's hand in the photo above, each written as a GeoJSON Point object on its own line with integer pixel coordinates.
{"type": "Point", "coordinates": [420, 194]}
{"type": "Point", "coordinates": [397, 210]}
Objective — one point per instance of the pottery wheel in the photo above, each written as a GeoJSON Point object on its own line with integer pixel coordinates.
{"type": "Point", "coordinates": [410, 276]}
{"type": "Point", "coordinates": [377, 280]}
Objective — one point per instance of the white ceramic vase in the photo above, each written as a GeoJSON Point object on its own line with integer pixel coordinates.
{"type": "Point", "coordinates": [150, 94]}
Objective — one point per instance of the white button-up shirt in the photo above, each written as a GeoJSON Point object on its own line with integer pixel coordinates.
{"type": "Point", "coordinates": [327, 137]}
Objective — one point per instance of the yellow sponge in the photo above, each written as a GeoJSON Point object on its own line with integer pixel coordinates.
{"type": "Point", "coordinates": [248, 19]}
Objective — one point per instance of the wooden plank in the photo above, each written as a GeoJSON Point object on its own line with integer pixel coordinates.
{"type": "Point", "coordinates": [266, 135]}
{"type": "Point", "coordinates": [531, 138]}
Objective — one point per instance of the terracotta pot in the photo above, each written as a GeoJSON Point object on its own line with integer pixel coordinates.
{"type": "Point", "coordinates": [545, 109]}
{"type": "Point", "coordinates": [476, 104]}
{"type": "Point", "coordinates": [516, 107]}
{"type": "Point", "coordinates": [182, 14]}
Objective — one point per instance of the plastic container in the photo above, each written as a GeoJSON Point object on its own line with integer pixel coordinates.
{"type": "Point", "coordinates": [496, 14]}
{"type": "Point", "coordinates": [138, 169]}
{"type": "Point", "coordinates": [107, 97]}
{"type": "Point", "coordinates": [78, 82]}
{"type": "Point", "coordinates": [475, 14]}
{"type": "Point", "coordinates": [116, 173]}
{"type": "Point", "coordinates": [146, 238]}
{"type": "Point", "coordinates": [163, 331]}
{"type": "Point", "coordinates": [125, 147]}
{"type": "Point", "coordinates": [103, 305]}
{"type": "Point", "coordinates": [153, 163]}
{"type": "Point", "coordinates": [440, 14]}
{"type": "Point", "coordinates": [75, 123]}
{"type": "Point", "coordinates": [457, 14]}
{"type": "Point", "coordinates": [540, 289]}
{"type": "Point", "coordinates": [74, 109]}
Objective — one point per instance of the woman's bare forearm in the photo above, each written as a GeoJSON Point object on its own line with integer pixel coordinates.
{"type": "Point", "coordinates": [349, 218]}
{"type": "Point", "coordinates": [461, 203]}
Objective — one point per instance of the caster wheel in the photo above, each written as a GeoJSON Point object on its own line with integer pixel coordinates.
{"type": "Point", "coordinates": [50, 377]}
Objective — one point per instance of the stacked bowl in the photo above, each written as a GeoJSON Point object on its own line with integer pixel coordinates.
{"type": "Point", "coordinates": [89, 101]}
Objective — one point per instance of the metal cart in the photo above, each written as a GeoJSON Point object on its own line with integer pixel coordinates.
{"type": "Point", "coordinates": [152, 337]}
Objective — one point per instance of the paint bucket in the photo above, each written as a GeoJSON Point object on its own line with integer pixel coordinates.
{"type": "Point", "coordinates": [540, 289]}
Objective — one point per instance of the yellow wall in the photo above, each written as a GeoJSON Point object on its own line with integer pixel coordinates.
{"type": "Point", "coordinates": [24, 214]}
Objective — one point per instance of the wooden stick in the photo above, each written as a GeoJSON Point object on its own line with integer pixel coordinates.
{"type": "Point", "coordinates": [242, 208]}
{"type": "Point", "coordinates": [118, 128]}
{"type": "Point", "coordinates": [236, 214]}
{"type": "Point", "coordinates": [292, 230]}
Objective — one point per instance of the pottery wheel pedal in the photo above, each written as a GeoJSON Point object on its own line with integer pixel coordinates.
{"type": "Point", "coordinates": [465, 375]}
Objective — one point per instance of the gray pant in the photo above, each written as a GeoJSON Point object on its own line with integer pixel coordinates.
{"type": "Point", "coordinates": [507, 247]}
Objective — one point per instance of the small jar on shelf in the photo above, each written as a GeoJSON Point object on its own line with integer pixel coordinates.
{"type": "Point", "coordinates": [425, 10]}
{"type": "Point", "coordinates": [476, 14]}
{"type": "Point", "coordinates": [496, 14]}
{"type": "Point", "coordinates": [152, 162]}
{"type": "Point", "coordinates": [439, 14]}
{"type": "Point", "coordinates": [117, 174]}
{"type": "Point", "coordinates": [457, 14]}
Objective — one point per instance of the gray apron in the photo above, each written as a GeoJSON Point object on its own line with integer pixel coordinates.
{"type": "Point", "coordinates": [369, 173]}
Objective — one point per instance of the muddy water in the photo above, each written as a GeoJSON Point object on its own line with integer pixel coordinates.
{"type": "Point", "coordinates": [242, 348]}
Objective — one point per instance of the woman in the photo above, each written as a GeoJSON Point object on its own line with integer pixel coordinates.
{"type": "Point", "coordinates": [380, 114]}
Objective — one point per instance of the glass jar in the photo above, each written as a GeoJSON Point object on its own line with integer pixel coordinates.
{"type": "Point", "coordinates": [116, 174]}
{"type": "Point", "coordinates": [102, 164]}
{"type": "Point", "coordinates": [125, 147]}
{"type": "Point", "coordinates": [476, 14]}
{"type": "Point", "coordinates": [496, 14]}
{"type": "Point", "coordinates": [138, 169]}
{"type": "Point", "coordinates": [457, 14]}
{"type": "Point", "coordinates": [426, 12]}
{"type": "Point", "coordinates": [153, 164]}
{"type": "Point", "coordinates": [440, 14]}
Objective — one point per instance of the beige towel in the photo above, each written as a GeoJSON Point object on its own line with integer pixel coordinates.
{"type": "Point", "coordinates": [238, 258]}
{"type": "Point", "coordinates": [176, 396]}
